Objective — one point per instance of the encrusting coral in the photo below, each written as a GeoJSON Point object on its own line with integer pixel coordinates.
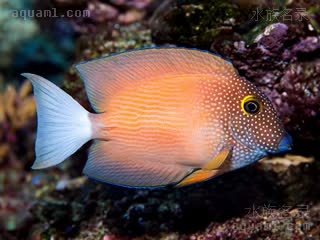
{"type": "Point", "coordinates": [97, 15]}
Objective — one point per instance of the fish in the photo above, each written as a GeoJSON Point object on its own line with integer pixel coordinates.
{"type": "Point", "coordinates": [163, 116]}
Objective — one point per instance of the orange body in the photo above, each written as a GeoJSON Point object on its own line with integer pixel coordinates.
{"type": "Point", "coordinates": [163, 116]}
{"type": "Point", "coordinates": [161, 120]}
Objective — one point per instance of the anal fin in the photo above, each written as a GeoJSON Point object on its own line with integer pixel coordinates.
{"type": "Point", "coordinates": [114, 163]}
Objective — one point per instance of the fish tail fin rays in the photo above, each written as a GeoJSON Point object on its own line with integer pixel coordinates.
{"type": "Point", "coordinates": [63, 124]}
{"type": "Point", "coordinates": [110, 164]}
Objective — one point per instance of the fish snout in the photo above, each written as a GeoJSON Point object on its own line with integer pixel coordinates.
{"type": "Point", "coordinates": [285, 143]}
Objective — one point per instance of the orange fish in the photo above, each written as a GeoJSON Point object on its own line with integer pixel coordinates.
{"type": "Point", "coordinates": [163, 116]}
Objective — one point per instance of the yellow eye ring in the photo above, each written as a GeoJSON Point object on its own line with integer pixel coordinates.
{"type": "Point", "coordinates": [251, 105]}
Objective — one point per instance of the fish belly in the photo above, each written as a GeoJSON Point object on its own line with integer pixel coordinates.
{"type": "Point", "coordinates": [158, 128]}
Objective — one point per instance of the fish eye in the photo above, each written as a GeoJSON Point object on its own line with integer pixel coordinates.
{"type": "Point", "coordinates": [251, 105]}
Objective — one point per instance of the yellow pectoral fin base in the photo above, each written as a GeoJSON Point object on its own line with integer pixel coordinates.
{"type": "Point", "coordinates": [197, 176]}
{"type": "Point", "coordinates": [209, 170]}
{"type": "Point", "coordinates": [218, 160]}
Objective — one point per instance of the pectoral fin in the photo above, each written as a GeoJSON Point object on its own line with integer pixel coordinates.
{"type": "Point", "coordinates": [217, 161]}
{"type": "Point", "coordinates": [197, 176]}
{"type": "Point", "coordinates": [209, 170]}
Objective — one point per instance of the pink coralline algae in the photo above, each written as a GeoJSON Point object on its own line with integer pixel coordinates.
{"type": "Point", "coordinates": [97, 16]}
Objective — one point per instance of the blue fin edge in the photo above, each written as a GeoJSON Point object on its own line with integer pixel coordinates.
{"type": "Point", "coordinates": [147, 48]}
{"type": "Point", "coordinates": [126, 186]}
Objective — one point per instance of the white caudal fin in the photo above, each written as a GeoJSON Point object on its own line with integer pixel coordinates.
{"type": "Point", "coordinates": [63, 124]}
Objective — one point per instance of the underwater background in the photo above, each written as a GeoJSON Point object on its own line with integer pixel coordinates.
{"type": "Point", "coordinates": [274, 44]}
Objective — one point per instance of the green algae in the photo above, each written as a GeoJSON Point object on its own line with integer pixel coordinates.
{"type": "Point", "coordinates": [200, 23]}
{"type": "Point", "coordinates": [197, 23]}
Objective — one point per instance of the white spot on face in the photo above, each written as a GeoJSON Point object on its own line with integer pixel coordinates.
{"type": "Point", "coordinates": [222, 102]}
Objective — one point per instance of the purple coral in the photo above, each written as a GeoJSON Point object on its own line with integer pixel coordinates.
{"type": "Point", "coordinates": [286, 67]}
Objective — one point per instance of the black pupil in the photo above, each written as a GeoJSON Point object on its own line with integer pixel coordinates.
{"type": "Point", "coordinates": [251, 107]}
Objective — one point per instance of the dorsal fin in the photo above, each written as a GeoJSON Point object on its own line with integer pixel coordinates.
{"type": "Point", "coordinates": [104, 76]}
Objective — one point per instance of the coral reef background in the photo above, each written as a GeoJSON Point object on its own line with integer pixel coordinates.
{"type": "Point", "coordinates": [274, 44]}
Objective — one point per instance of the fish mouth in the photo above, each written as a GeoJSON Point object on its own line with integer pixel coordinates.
{"type": "Point", "coordinates": [285, 144]}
